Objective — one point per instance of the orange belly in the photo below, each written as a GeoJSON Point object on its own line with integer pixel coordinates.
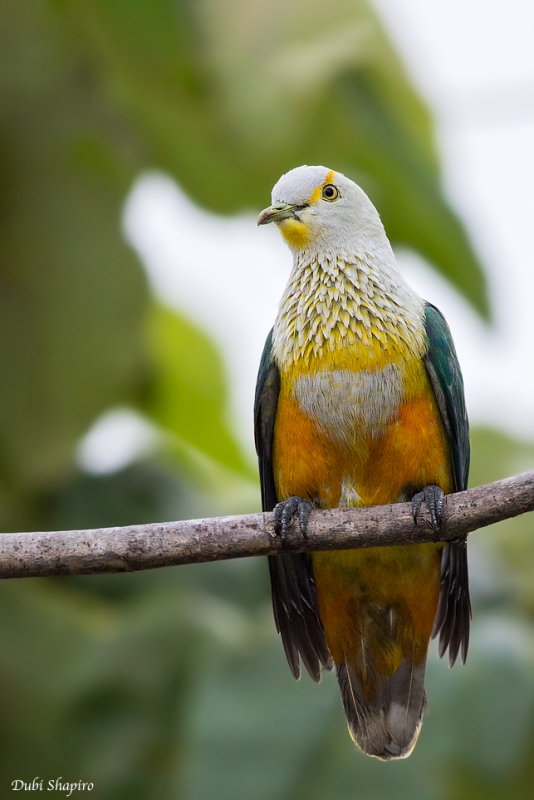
{"type": "Point", "coordinates": [410, 453]}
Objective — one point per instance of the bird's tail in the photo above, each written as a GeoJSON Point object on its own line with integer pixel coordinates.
{"type": "Point", "coordinates": [387, 725]}
{"type": "Point", "coordinates": [382, 688]}
{"type": "Point", "coordinates": [377, 610]}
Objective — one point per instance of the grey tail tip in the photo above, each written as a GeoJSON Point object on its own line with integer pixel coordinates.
{"type": "Point", "coordinates": [389, 749]}
{"type": "Point", "coordinates": [388, 725]}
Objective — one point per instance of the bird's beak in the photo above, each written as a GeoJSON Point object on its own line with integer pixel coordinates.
{"type": "Point", "coordinates": [277, 213]}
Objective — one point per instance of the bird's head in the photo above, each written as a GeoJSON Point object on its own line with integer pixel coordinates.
{"type": "Point", "coordinates": [322, 211]}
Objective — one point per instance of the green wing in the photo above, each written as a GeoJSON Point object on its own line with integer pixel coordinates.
{"type": "Point", "coordinates": [444, 371]}
{"type": "Point", "coordinates": [292, 584]}
{"type": "Point", "coordinates": [454, 609]}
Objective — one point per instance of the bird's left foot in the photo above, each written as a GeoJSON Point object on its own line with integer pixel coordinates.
{"type": "Point", "coordinates": [434, 497]}
{"type": "Point", "coordinates": [287, 510]}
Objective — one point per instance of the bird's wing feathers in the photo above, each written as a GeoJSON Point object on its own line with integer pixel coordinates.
{"type": "Point", "coordinates": [454, 608]}
{"type": "Point", "coordinates": [445, 375]}
{"type": "Point", "coordinates": [293, 587]}
{"type": "Point", "coordinates": [265, 405]}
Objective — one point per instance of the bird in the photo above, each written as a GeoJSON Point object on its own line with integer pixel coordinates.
{"type": "Point", "coordinates": [360, 401]}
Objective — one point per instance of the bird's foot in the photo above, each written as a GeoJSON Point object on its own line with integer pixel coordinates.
{"type": "Point", "coordinates": [288, 510]}
{"type": "Point", "coordinates": [434, 497]}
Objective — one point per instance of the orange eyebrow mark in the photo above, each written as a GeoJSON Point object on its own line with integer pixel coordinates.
{"type": "Point", "coordinates": [317, 192]}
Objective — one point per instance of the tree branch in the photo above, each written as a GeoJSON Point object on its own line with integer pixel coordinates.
{"type": "Point", "coordinates": [136, 547]}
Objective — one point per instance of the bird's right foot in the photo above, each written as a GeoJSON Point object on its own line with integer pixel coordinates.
{"type": "Point", "coordinates": [434, 498]}
{"type": "Point", "coordinates": [288, 510]}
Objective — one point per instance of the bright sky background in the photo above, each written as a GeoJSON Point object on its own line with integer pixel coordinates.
{"type": "Point", "coordinates": [473, 61]}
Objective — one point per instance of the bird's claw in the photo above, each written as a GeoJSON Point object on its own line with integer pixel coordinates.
{"type": "Point", "coordinates": [434, 498]}
{"type": "Point", "coordinates": [288, 510]}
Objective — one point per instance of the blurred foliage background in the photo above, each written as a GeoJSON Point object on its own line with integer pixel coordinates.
{"type": "Point", "coordinates": [172, 684]}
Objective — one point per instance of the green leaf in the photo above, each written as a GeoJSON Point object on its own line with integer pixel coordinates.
{"type": "Point", "coordinates": [187, 395]}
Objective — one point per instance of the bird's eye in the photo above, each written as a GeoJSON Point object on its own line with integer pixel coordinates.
{"type": "Point", "coordinates": [330, 192]}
